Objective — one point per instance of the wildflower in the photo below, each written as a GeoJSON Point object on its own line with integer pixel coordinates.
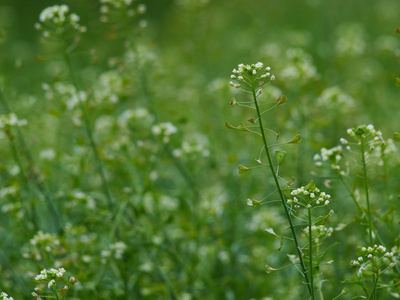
{"type": "Point", "coordinates": [11, 120]}
{"type": "Point", "coordinates": [251, 75]}
{"type": "Point", "coordinates": [57, 19]}
{"type": "Point", "coordinates": [51, 283]}
{"type": "Point", "coordinates": [4, 296]}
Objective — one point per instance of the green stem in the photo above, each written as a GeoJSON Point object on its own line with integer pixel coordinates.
{"type": "Point", "coordinates": [32, 174]}
{"type": "Point", "coordinates": [89, 133]}
{"type": "Point", "coordinates": [24, 180]}
{"type": "Point", "coordinates": [366, 192]}
{"type": "Point", "coordinates": [321, 295]}
{"type": "Point", "coordinates": [310, 253]}
{"type": "Point", "coordinates": [371, 241]}
{"type": "Point", "coordinates": [282, 197]}
{"type": "Point", "coordinates": [373, 292]}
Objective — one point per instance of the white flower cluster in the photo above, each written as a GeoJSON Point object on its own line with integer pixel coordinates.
{"type": "Point", "coordinates": [46, 240]}
{"type": "Point", "coordinates": [118, 249]}
{"type": "Point", "coordinates": [332, 156]}
{"type": "Point", "coordinates": [309, 196]}
{"type": "Point", "coordinates": [251, 76]}
{"type": "Point", "coordinates": [108, 5]}
{"type": "Point", "coordinates": [50, 274]}
{"type": "Point", "coordinates": [4, 296]}
{"type": "Point", "coordinates": [188, 148]}
{"type": "Point", "coordinates": [375, 253]}
{"type": "Point", "coordinates": [364, 131]}
{"type": "Point", "coordinates": [58, 17]}
{"type": "Point", "coordinates": [65, 93]}
{"type": "Point", "coordinates": [319, 231]}
{"type": "Point", "coordinates": [9, 190]}
{"type": "Point", "coordinates": [11, 120]}
{"type": "Point", "coordinates": [300, 68]}
{"type": "Point", "coordinates": [335, 98]}
{"type": "Point", "coordinates": [165, 130]}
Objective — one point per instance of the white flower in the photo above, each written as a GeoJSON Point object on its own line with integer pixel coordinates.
{"type": "Point", "coordinates": [51, 283]}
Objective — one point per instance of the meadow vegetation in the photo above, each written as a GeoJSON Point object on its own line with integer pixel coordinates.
{"type": "Point", "coordinates": [197, 149]}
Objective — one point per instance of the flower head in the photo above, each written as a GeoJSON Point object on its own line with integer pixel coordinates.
{"type": "Point", "coordinates": [251, 76]}
{"type": "Point", "coordinates": [56, 20]}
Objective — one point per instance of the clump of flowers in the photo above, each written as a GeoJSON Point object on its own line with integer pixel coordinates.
{"type": "Point", "coordinates": [373, 261]}
{"type": "Point", "coordinates": [366, 132]}
{"type": "Point", "coordinates": [165, 130]}
{"type": "Point", "coordinates": [309, 196]}
{"type": "Point", "coordinates": [251, 77]}
{"type": "Point", "coordinates": [319, 232]}
{"type": "Point", "coordinates": [332, 156]}
{"type": "Point", "coordinates": [43, 244]}
{"type": "Point", "coordinates": [117, 250]}
{"type": "Point", "coordinates": [57, 20]}
{"type": "Point", "coordinates": [4, 296]}
{"type": "Point", "coordinates": [11, 120]}
{"type": "Point", "coordinates": [55, 281]}
{"type": "Point", "coordinates": [111, 9]}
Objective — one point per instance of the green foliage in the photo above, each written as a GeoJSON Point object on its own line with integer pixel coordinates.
{"type": "Point", "coordinates": [118, 174]}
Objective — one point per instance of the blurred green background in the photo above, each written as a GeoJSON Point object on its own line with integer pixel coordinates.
{"type": "Point", "coordinates": [336, 61]}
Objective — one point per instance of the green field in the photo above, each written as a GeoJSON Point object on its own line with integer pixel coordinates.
{"type": "Point", "coordinates": [135, 164]}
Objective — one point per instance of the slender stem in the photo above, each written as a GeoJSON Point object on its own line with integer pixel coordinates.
{"type": "Point", "coordinates": [366, 192]}
{"type": "Point", "coordinates": [373, 292]}
{"type": "Point", "coordinates": [32, 174]}
{"type": "Point", "coordinates": [353, 196]}
{"type": "Point", "coordinates": [93, 145]}
{"type": "Point", "coordinates": [321, 295]}
{"type": "Point", "coordinates": [310, 253]}
{"type": "Point", "coordinates": [282, 197]}
{"type": "Point", "coordinates": [371, 241]}
{"type": "Point", "coordinates": [23, 178]}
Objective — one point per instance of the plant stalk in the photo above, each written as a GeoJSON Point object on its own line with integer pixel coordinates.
{"type": "Point", "coordinates": [282, 197]}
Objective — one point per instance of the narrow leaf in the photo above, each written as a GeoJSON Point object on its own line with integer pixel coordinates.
{"type": "Point", "coordinates": [243, 169]}
{"type": "Point", "coordinates": [396, 137]}
{"type": "Point", "coordinates": [282, 99]}
{"type": "Point", "coordinates": [270, 269]}
{"type": "Point", "coordinates": [253, 203]}
{"type": "Point", "coordinates": [281, 243]}
{"type": "Point", "coordinates": [271, 231]}
{"type": "Point", "coordinates": [297, 139]}
{"type": "Point", "coordinates": [280, 155]}
{"type": "Point", "coordinates": [292, 258]}
{"type": "Point", "coordinates": [242, 127]}
{"type": "Point", "coordinates": [229, 125]}
{"type": "Point", "coordinates": [291, 181]}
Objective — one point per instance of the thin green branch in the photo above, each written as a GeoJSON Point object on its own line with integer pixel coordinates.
{"type": "Point", "coordinates": [283, 200]}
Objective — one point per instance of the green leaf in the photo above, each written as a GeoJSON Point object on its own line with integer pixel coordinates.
{"type": "Point", "coordinates": [243, 169]}
{"type": "Point", "coordinates": [291, 181]}
{"type": "Point", "coordinates": [270, 269]}
{"type": "Point", "coordinates": [310, 185]}
{"type": "Point", "coordinates": [271, 231]}
{"type": "Point", "coordinates": [229, 125]}
{"type": "Point", "coordinates": [296, 140]}
{"type": "Point", "coordinates": [292, 258]}
{"type": "Point", "coordinates": [281, 243]}
{"type": "Point", "coordinates": [282, 99]}
{"type": "Point", "coordinates": [396, 137]}
{"type": "Point", "coordinates": [242, 127]}
{"type": "Point", "coordinates": [280, 155]}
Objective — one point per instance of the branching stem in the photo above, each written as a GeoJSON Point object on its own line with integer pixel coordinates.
{"type": "Point", "coordinates": [282, 197]}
